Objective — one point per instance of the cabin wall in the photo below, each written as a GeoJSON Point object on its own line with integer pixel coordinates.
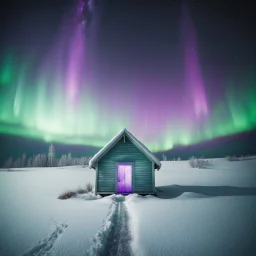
{"type": "Point", "coordinates": [143, 180]}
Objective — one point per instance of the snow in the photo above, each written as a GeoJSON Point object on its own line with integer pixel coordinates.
{"type": "Point", "coordinates": [209, 211]}
{"type": "Point", "coordinates": [88, 196]}
{"type": "Point", "coordinates": [30, 210]}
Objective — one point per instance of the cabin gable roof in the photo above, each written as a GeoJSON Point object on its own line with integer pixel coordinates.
{"type": "Point", "coordinates": [136, 142]}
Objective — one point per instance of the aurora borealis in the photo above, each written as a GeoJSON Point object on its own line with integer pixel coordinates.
{"type": "Point", "coordinates": [79, 90]}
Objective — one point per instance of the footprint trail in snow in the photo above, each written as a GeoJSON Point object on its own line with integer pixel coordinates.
{"type": "Point", "coordinates": [114, 238]}
{"type": "Point", "coordinates": [45, 246]}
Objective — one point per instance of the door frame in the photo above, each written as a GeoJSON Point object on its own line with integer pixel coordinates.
{"type": "Point", "coordinates": [116, 176]}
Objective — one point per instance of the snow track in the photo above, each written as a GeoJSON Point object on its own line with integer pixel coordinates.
{"type": "Point", "coordinates": [45, 246]}
{"type": "Point", "coordinates": [114, 237]}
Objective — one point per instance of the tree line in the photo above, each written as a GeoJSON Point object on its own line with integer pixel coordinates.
{"type": "Point", "coordinates": [46, 160]}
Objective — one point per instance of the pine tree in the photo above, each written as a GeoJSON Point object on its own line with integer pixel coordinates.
{"type": "Point", "coordinates": [63, 160]}
{"type": "Point", "coordinates": [51, 155]}
{"type": "Point", "coordinates": [43, 160]}
{"type": "Point", "coordinates": [30, 162]}
{"type": "Point", "coordinates": [69, 159]}
{"type": "Point", "coordinates": [37, 161]}
{"type": "Point", "coordinates": [23, 160]}
{"type": "Point", "coordinates": [164, 158]}
{"type": "Point", "coordinates": [84, 161]}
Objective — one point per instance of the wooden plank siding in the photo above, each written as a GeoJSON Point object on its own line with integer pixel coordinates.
{"type": "Point", "coordinates": [143, 179]}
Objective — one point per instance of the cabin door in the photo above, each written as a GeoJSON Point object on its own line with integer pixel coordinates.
{"type": "Point", "coordinates": [124, 178]}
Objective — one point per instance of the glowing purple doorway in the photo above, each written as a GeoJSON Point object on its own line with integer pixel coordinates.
{"type": "Point", "coordinates": [124, 178]}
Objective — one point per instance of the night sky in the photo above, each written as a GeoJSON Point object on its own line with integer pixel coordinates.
{"type": "Point", "coordinates": [174, 73]}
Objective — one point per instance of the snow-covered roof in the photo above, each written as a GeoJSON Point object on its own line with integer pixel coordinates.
{"type": "Point", "coordinates": [136, 143]}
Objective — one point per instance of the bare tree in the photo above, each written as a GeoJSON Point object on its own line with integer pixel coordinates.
{"type": "Point", "coordinates": [197, 162]}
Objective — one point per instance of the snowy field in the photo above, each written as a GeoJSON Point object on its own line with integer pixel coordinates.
{"type": "Point", "coordinates": [210, 211]}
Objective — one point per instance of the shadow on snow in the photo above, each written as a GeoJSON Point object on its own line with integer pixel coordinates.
{"type": "Point", "coordinates": [174, 191]}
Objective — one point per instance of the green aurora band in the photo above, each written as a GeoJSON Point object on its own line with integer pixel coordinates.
{"type": "Point", "coordinates": [33, 112]}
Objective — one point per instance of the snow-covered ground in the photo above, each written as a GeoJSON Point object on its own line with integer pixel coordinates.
{"type": "Point", "coordinates": [210, 211]}
{"type": "Point", "coordinates": [31, 213]}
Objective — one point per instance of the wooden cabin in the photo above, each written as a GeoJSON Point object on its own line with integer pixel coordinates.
{"type": "Point", "coordinates": [125, 166]}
